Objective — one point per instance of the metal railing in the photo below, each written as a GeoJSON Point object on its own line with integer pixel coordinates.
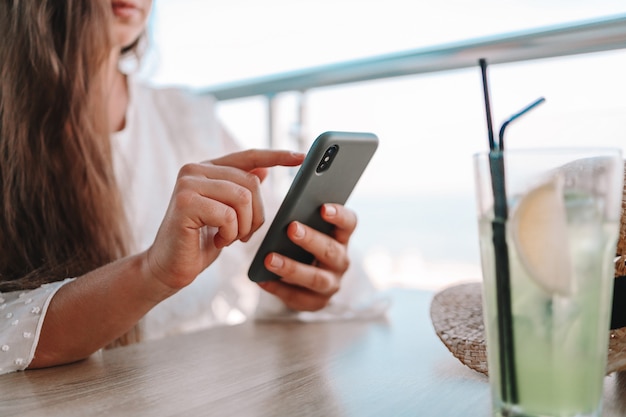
{"type": "Point", "coordinates": [568, 39]}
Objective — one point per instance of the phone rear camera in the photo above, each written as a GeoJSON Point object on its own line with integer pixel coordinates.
{"type": "Point", "coordinates": [327, 159]}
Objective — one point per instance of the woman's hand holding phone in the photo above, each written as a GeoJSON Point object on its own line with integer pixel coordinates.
{"type": "Point", "coordinates": [309, 287]}
{"type": "Point", "coordinates": [304, 253]}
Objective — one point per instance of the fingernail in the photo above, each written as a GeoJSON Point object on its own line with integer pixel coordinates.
{"type": "Point", "coordinates": [299, 232]}
{"type": "Point", "coordinates": [276, 261]}
{"type": "Point", "coordinates": [330, 210]}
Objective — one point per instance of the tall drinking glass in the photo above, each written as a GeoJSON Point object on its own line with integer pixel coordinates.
{"type": "Point", "coordinates": [561, 231]}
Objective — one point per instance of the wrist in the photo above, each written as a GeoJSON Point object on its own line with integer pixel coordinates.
{"type": "Point", "coordinates": [156, 289]}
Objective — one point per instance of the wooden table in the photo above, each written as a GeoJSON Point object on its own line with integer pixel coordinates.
{"type": "Point", "coordinates": [394, 367]}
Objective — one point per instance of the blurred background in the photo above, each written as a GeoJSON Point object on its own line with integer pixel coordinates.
{"type": "Point", "coordinates": [417, 220]}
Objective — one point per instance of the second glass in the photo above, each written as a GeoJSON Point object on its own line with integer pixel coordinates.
{"type": "Point", "coordinates": [560, 238]}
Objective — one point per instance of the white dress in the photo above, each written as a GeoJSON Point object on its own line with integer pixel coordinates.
{"type": "Point", "coordinates": [166, 128]}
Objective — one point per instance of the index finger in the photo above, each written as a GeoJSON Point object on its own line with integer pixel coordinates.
{"type": "Point", "coordinates": [260, 158]}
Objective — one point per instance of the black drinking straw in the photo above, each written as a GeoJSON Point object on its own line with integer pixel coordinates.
{"type": "Point", "coordinates": [515, 116]}
{"type": "Point", "coordinates": [508, 380]}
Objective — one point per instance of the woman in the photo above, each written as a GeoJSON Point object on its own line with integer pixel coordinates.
{"type": "Point", "coordinates": [95, 247]}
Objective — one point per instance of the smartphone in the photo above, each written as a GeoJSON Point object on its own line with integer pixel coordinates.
{"type": "Point", "coordinates": [329, 173]}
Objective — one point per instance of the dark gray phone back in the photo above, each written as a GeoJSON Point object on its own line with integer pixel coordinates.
{"type": "Point", "coordinates": [312, 188]}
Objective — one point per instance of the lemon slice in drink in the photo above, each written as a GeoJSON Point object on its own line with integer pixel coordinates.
{"type": "Point", "coordinates": [539, 228]}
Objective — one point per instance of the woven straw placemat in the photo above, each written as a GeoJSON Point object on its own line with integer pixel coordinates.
{"type": "Point", "coordinates": [457, 317]}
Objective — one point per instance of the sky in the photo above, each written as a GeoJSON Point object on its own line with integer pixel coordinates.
{"type": "Point", "coordinates": [208, 42]}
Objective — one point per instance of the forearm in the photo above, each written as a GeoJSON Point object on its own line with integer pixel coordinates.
{"type": "Point", "coordinates": [95, 309]}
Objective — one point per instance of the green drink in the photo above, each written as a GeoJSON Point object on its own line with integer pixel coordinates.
{"type": "Point", "coordinates": [561, 237]}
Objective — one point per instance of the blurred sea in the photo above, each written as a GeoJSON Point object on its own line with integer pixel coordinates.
{"type": "Point", "coordinates": [425, 241]}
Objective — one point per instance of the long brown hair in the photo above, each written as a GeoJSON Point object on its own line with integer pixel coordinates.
{"type": "Point", "coordinates": [60, 209]}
